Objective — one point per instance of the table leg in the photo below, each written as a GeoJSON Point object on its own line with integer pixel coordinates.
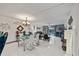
{"type": "Point", "coordinates": [18, 43]}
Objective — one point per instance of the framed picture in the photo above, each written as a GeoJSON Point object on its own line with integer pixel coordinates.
{"type": "Point", "coordinates": [20, 28]}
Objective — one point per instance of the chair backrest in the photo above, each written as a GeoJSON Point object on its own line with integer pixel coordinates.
{"type": "Point", "coordinates": [3, 39]}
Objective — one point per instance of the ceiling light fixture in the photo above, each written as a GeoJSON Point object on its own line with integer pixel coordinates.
{"type": "Point", "coordinates": [26, 22]}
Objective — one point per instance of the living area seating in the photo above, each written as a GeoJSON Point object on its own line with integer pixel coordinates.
{"type": "Point", "coordinates": [3, 38]}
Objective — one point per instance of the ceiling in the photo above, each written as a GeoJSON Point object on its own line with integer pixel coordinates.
{"type": "Point", "coordinates": [53, 13]}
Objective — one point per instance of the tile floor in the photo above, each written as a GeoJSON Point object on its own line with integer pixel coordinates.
{"type": "Point", "coordinates": [44, 49]}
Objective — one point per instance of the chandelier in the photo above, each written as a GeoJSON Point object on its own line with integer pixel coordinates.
{"type": "Point", "coordinates": [25, 22]}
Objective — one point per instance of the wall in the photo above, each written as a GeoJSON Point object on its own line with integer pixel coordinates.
{"type": "Point", "coordinates": [75, 15]}
{"type": "Point", "coordinates": [11, 30]}
{"type": "Point", "coordinates": [12, 24]}
{"type": "Point", "coordinates": [73, 35]}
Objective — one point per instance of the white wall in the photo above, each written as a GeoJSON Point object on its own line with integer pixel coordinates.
{"type": "Point", "coordinates": [11, 30]}
{"type": "Point", "coordinates": [75, 15]}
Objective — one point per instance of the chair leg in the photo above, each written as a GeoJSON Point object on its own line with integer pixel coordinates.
{"type": "Point", "coordinates": [24, 45]}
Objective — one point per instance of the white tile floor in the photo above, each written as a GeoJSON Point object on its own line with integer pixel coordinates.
{"type": "Point", "coordinates": [44, 49]}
